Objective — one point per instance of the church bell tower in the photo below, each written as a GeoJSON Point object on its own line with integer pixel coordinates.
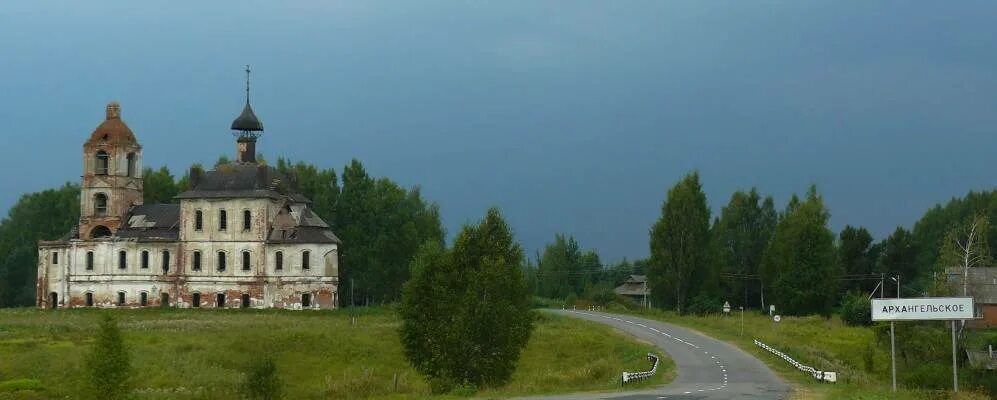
{"type": "Point", "coordinates": [246, 128]}
{"type": "Point", "coordinates": [112, 176]}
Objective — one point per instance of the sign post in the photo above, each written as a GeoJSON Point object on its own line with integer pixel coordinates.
{"type": "Point", "coordinates": [923, 309]}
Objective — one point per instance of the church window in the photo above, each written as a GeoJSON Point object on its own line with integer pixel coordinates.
{"type": "Point", "coordinates": [121, 298]}
{"type": "Point", "coordinates": [220, 300]}
{"type": "Point", "coordinates": [198, 220]}
{"type": "Point", "coordinates": [166, 261]}
{"type": "Point", "coordinates": [195, 300]}
{"type": "Point", "coordinates": [196, 262]}
{"type": "Point", "coordinates": [245, 261]}
{"type": "Point", "coordinates": [89, 261]}
{"type": "Point", "coordinates": [100, 204]}
{"type": "Point", "coordinates": [102, 163]}
{"type": "Point", "coordinates": [247, 220]}
{"type": "Point", "coordinates": [89, 299]}
{"type": "Point", "coordinates": [131, 165]}
{"type": "Point", "coordinates": [306, 259]}
{"type": "Point", "coordinates": [143, 299]}
{"type": "Point", "coordinates": [245, 300]}
{"type": "Point", "coordinates": [222, 220]}
{"type": "Point", "coordinates": [55, 257]}
{"type": "Point", "coordinates": [306, 300]}
{"type": "Point", "coordinates": [221, 261]}
{"type": "Point", "coordinates": [122, 259]}
{"type": "Point", "coordinates": [279, 260]}
{"type": "Point", "coordinates": [145, 259]}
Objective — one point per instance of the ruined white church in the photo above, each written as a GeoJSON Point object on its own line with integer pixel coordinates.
{"type": "Point", "coordinates": [239, 237]}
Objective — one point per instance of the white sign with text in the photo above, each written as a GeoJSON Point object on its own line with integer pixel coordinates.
{"type": "Point", "coordinates": [929, 308]}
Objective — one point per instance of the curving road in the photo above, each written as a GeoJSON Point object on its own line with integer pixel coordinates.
{"type": "Point", "coordinates": [707, 368]}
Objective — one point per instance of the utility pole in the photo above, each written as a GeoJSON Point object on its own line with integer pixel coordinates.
{"type": "Point", "coordinates": [893, 349]}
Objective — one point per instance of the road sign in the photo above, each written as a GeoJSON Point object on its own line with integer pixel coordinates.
{"type": "Point", "coordinates": [929, 308]}
{"type": "Point", "coordinates": [777, 318]}
{"type": "Point", "coordinates": [726, 307]}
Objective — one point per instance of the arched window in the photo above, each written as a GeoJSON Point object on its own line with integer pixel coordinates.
{"type": "Point", "coordinates": [222, 220]}
{"type": "Point", "coordinates": [121, 298]}
{"type": "Point", "coordinates": [89, 299]}
{"type": "Point", "coordinates": [100, 204]}
{"type": "Point", "coordinates": [195, 300]}
{"type": "Point", "coordinates": [100, 231]}
{"type": "Point", "coordinates": [246, 261]}
{"type": "Point", "coordinates": [221, 261]}
{"type": "Point", "coordinates": [101, 163]}
{"type": "Point", "coordinates": [306, 300]}
{"type": "Point", "coordinates": [131, 165]}
{"type": "Point", "coordinates": [196, 262]}
{"type": "Point", "coordinates": [145, 259]}
{"type": "Point", "coordinates": [279, 260]}
{"type": "Point", "coordinates": [198, 220]}
{"type": "Point", "coordinates": [122, 259]}
{"type": "Point", "coordinates": [220, 300]}
{"type": "Point", "coordinates": [166, 261]}
{"type": "Point", "coordinates": [306, 259]}
{"type": "Point", "coordinates": [247, 220]}
{"type": "Point", "coordinates": [89, 261]}
{"type": "Point", "coordinates": [245, 300]}
{"type": "Point", "coordinates": [143, 299]}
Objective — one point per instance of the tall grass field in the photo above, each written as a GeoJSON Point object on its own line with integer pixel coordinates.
{"type": "Point", "coordinates": [204, 354]}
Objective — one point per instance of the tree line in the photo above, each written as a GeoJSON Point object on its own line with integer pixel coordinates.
{"type": "Point", "coordinates": [754, 255]}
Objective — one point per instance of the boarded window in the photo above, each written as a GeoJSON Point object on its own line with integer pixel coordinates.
{"type": "Point", "coordinates": [195, 300]}
{"type": "Point", "coordinates": [121, 298]}
{"type": "Point", "coordinates": [143, 299]}
{"type": "Point", "coordinates": [198, 220]}
{"type": "Point", "coordinates": [101, 166]}
{"type": "Point", "coordinates": [222, 220]}
{"type": "Point", "coordinates": [145, 259]}
{"type": "Point", "coordinates": [279, 260]}
{"type": "Point", "coordinates": [220, 300]}
{"type": "Point", "coordinates": [166, 261]}
{"type": "Point", "coordinates": [100, 204]}
{"type": "Point", "coordinates": [245, 300]}
{"type": "Point", "coordinates": [122, 259]}
{"type": "Point", "coordinates": [247, 220]}
{"type": "Point", "coordinates": [89, 299]}
{"type": "Point", "coordinates": [196, 261]}
{"type": "Point", "coordinates": [306, 300]}
{"type": "Point", "coordinates": [89, 261]}
{"type": "Point", "coordinates": [246, 261]}
{"type": "Point", "coordinates": [306, 259]}
{"type": "Point", "coordinates": [221, 261]}
{"type": "Point", "coordinates": [55, 257]}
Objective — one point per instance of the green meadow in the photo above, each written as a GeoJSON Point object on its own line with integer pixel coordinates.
{"type": "Point", "coordinates": [203, 354]}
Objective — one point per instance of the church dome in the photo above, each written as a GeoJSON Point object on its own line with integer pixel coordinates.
{"type": "Point", "coordinates": [113, 129]}
{"type": "Point", "coordinates": [247, 121]}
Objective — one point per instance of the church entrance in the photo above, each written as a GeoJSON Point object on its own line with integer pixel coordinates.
{"type": "Point", "coordinates": [53, 299]}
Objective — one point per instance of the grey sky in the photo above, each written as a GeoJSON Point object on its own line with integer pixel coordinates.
{"type": "Point", "coordinates": [571, 116]}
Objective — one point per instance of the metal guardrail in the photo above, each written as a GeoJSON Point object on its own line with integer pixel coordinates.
{"type": "Point", "coordinates": [822, 376]}
{"type": "Point", "coordinates": [639, 376]}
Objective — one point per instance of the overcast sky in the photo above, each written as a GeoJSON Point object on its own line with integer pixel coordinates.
{"type": "Point", "coordinates": [571, 116]}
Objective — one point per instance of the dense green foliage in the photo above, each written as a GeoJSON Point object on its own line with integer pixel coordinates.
{"type": "Point", "coordinates": [856, 309]}
{"type": "Point", "coordinates": [45, 215]}
{"type": "Point", "coordinates": [680, 245]}
{"type": "Point", "coordinates": [108, 363]}
{"type": "Point", "coordinates": [800, 264]}
{"type": "Point", "coordinates": [741, 234]}
{"type": "Point", "coordinates": [466, 313]}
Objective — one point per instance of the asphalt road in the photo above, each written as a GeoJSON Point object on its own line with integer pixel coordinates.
{"type": "Point", "coordinates": [707, 368]}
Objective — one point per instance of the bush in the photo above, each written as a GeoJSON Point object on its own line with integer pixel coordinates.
{"type": "Point", "coordinates": [262, 381]}
{"type": "Point", "coordinates": [109, 363]}
{"type": "Point", "coordinates": [856, 310]}
{"type": "Point", "coordinates": [704, 304]}
{"type": "Point", "coordinates": [570, 301]}
{"type": "Point", "coordinates": [465, 312]}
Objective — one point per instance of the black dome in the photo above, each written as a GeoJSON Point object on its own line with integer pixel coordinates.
{"type": "Point", "coordinates": [247, 121]}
